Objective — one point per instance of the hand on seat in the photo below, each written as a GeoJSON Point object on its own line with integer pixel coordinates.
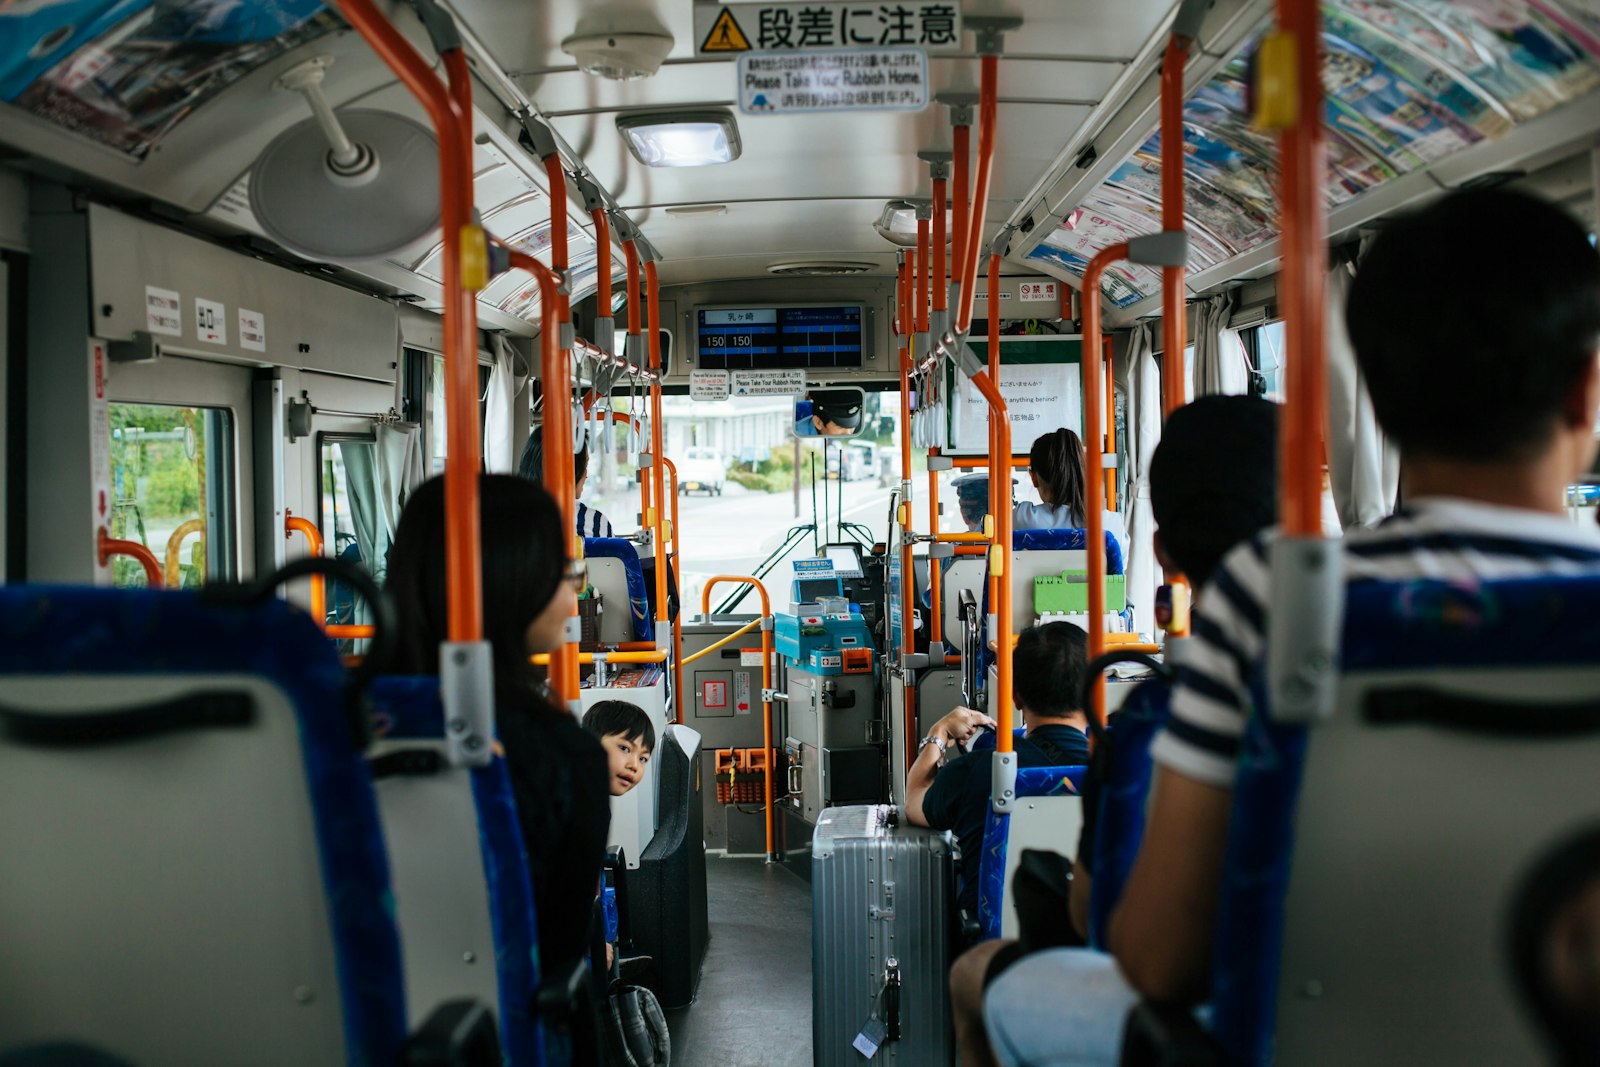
{"type": "Point", "coordinates": [960, 725]}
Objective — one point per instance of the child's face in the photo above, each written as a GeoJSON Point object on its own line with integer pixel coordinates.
{"type": "Point", "coordinates": [627, 760]}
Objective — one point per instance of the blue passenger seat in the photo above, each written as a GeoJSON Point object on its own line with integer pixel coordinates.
{"type": "Point", "coordinates": [194, 869]}
{"type": "Point", "coordinates": [1462, 750]}
{"type": "Point", "coordinates": [615, 570]}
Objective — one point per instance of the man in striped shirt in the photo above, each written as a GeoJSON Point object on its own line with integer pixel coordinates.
{"type": "Point", "coordinates": [590, 521]}
{"type": "Point", "coordinates": [1490, 389]}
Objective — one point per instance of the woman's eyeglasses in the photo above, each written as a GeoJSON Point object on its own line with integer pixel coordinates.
{"type": "Point", "coordinates": [576, 574]}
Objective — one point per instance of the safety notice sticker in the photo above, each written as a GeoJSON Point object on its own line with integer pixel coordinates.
{"type": "Point", "coordinates": [163, 311]}
{"type": "Point", "coordinates": [708, 385]}
{"type": "Point", "coordinates": [811, 26]}
{"type": "Point", "coordinates": [869, 79]}
{"type": "Point", "coordinates": [768, 382]}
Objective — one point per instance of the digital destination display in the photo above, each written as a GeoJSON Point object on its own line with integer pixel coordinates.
{"type": "Point", "coordinates": [784, 338]}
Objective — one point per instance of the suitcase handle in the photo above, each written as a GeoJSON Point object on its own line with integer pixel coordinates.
{"type": "Point", "coordinates": [891, 999]}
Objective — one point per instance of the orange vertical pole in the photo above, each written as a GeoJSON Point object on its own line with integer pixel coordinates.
{"type": "Point", "coordinates": [961, 142]}
{"type": "Point", "coordinates": [657, 468]}
{"type": "Point", "coordinates": [635, 333]}
{"type": "Point", "coordinates": [766, 679]}
{"type": "Point", "coordinates": [677, 621]}
{"type": "Point", "coordinates": [1094, 522]}
{"type": "Point", "coordinates": [602, 240]}
{"type": "Point", "coordinates": [989, 89]}
{"type": "Point", "coordinates": [558, 428]}
{"type": "Point", "coordinates": [999, 491]}
{"type": "Point", "coordinates": [907, 574]}
{"type": "Point", "coordinates": [935, 577]}
{"type": "Point", "coordinates": [940, 286]}
{"type": "Point", "coordinates": [923, 274]}
{"type": "Point", "coordinates": [1173, 326]}
{"type": "Point", "coordinates": [1000, 551]}
{"type": "Point", "coordinates": [1304, 280]}
{"type": "Point", "coordinates": [452, 122]}
{"type": "Point", "coordinates": [294, 524]}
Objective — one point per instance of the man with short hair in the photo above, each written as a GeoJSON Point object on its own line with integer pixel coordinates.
{"type": "Point", "coordinates": [590, 521]}
{"type": "Point", "coordinates": [1047, 676]}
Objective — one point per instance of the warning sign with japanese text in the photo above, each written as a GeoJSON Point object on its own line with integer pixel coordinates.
{"type": "Point", "coordinates": [800, 27]}
{"type": "Point", "coordinates": [866, 79]}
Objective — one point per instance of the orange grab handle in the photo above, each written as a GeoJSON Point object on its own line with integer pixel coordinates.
{"type": "Point", "coordinates": [1173, 326]}
{"type": "Point", "coordinates": [108, 546]}
{"type": "Point", "coordinates": [294, 524]}
{"type": "Point", "coordinates": [175, 547]}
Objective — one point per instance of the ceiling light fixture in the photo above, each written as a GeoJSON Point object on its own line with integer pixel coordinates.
{"type": "Point", "coordinates": [620, 45]}
{"type": "Point", "coordinates": [681, 138]}
{"type": "Point", "coordinates": [898, 224]}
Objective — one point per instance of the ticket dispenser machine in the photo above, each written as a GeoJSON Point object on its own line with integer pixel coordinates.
{"type": "Point", "coordinates": [833, 735]}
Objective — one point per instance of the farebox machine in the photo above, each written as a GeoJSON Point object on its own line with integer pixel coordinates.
{"type": "Point", "coordinates": [833, 737]}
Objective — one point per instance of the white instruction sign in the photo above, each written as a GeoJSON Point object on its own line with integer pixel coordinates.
{"type": "Point", "coordinates": [1039, 291]}
{"type": "Point", "coordinates": [768, 382]}
{"type": "Point", "coordinates": [1040, 397]}
{"type": "Point", "coordinates": [210, 321]}
{"type": "Point", "coordinates": [724, 29]}
{"type": "Point", "coordinates": [741, 694]}
{"type": "Point", "coordinates": [708, 385]}
{"type": "Point", "coordinates": [163, 311]}
{"type": "Point", "coordinates": [252, 330]}
{"type": "Point", "coordinates": [874, 79]}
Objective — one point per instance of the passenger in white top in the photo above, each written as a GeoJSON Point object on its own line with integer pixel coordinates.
{"type": "Point", "coordinates": [1055, 463]}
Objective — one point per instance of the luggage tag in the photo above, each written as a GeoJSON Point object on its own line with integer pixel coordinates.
{"type": "Point", "coordinates": [870, 1037]}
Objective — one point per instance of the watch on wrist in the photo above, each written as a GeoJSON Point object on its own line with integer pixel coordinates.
{"type": "Point", "coordinates": [932, 740]}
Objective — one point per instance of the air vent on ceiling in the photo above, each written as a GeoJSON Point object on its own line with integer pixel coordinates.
{"type": "Point", "coordinates": [821, 269]}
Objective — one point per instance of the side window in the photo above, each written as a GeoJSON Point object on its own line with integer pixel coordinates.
{"type": "Point", "coordinates": [1264, 344]}
{"type": "Point", "coordinates": [172, 477]}
{"type": "Point", "coordinates": [345, 517]}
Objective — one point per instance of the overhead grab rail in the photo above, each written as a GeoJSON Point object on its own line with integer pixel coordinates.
{"type": "Point", "coordinates": [1185, 30]}
{"type": "Point", "coordinates": [108, 547]}
{"type": "Point", "coordinates": [466, 677]}
{"type": "Point", "coordinates": [766, 681]}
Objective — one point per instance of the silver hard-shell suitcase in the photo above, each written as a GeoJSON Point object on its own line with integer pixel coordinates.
{"type": "Point", "coordinates": [883, 913]}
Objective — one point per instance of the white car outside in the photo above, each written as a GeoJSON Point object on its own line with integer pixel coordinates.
{"type": "Point", "coordinates": [702, 469]}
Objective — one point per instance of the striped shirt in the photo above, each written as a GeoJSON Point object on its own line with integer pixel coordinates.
{"type": "Point", "coordinates": [592, 523]}
{"type": "Point", "coordinates": [1438, 538]}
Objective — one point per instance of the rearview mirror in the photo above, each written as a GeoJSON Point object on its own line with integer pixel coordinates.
{"type": "Point", "coordinates": [833, 412]}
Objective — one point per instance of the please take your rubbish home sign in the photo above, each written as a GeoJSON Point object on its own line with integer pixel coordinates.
{"type": "Point", "coordinates": [798, 58]}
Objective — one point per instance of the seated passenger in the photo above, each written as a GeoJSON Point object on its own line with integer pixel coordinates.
{"type": "Point", "coordinates": [972, 497]}
{"type": "Point", "coordinates": [558, 771]}
{"type": "Point", "coordinates": [1047, 675]}
{"type": "Point", "coordinates": [1485, 462]}
{"type": "Point", "coordinates": [1213, 483]}
{"type": "Point", "coordinates": [1055, 463]}
{"type": "Point", "coordinates": [590, 521]}
{"type": "Point", "coordinates": [628, 736]}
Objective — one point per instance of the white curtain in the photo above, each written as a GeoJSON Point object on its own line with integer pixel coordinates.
{"type": "Point", "coordinates": [1220, 364]}
{"type": "Point", "coordinates": [499, 448]}
{"type": "Point", "coordinates": [1144, 430]}
{"type": "Point", "coordinates": [1363, 466]}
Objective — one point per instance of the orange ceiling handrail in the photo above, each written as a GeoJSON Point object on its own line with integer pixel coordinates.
{"type": "Point", "coordinates": [961, 144]}
{"type": "Point", "coordinates": [988, 383]}
{"type": "Point", "coordinates": [1094, 521]}
{"type": "Point", "coordinates": [349, 631]}
{"type": "Point", "coordinates": [173, 561]}
{"type": "Point", "coordinates": [107, 546]}
{"type": "Point", "coordinates": [295, 524]}
{"type": "Point", "coordinates": [602, 240]}
{"type": "Point", "coordinates": [766, 679]}
{"type": "Point", "coordinates": [452, 123]}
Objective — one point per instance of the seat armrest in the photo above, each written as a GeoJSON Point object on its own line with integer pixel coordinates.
{"type": "Point", "coordinates": [458, 1033]}
{"type": "Point", "coordinates": [1164, 1036]}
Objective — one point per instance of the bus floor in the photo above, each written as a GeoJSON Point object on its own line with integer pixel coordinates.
{"type": "Point", "coordinates": [753, 1007]}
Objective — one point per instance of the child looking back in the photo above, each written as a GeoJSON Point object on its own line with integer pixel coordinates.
{"type": "Point", "coordinates": [628, 737]}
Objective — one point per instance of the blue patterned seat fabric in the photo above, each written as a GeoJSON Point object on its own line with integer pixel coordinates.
{"type": "Point", "coordinates": [1121, 811]}
{"type": "Point", "coordinates": [1031, 782]}
{"type": "Point", "coordinates": [1520, 624]}
{"type": "Point", "coordinates": [75, 630]}
{"type": "Point", "coordinates": [410, 707]}
{"type": "Point", "coordinates": [638, 593]}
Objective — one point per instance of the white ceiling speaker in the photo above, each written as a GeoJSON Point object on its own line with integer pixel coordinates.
{"type": "Point", "coordinates": [346, 188]}
{"type": "Point", "coordinates": [620, 45]}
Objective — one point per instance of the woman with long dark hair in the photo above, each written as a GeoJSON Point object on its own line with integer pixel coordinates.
{"type": "Point", "coordinates": [1056, 465]}
{"type": "Point", "coordinates": [559, 772]}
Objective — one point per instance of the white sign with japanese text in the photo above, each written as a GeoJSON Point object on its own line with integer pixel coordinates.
{"type": "Point", "coordinates": [210, 321]}
{"type": "Point", "coordinates": [724, 29]}
{"type": "Point", "coordinates": [1040, 397]}
{"type": "Point", "coordinates": [1038, 291]}
{"type": "Point", "coordinates": [867, 79]}
{"type": "Point", "coordinates": [708, 385]}
{"type": "Point", "coordinates": [768, 382]}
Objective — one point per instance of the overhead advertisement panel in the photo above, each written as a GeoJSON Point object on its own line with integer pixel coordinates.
{"type": "Point", "coordinates": [862, 79]}
{"type": "Point", "coordinates": [726, 29]}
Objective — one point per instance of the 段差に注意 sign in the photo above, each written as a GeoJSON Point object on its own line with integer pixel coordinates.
{"type": "Point", "coordinates": [726, 29]}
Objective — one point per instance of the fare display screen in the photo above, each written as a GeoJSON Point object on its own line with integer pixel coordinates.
{"type": "Point", "coordinates": [779, 338]}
